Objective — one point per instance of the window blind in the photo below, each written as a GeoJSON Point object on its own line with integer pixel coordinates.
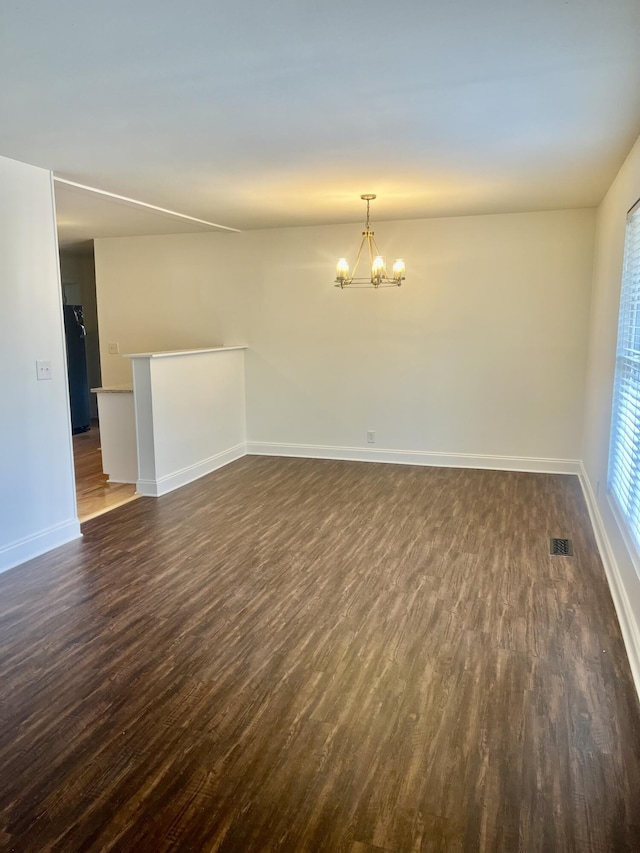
{"type": "Point", "coordinates": [624, 454]}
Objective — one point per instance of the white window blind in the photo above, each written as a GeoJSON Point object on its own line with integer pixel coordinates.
{"type": "Point", "coordinates": [624, 454]}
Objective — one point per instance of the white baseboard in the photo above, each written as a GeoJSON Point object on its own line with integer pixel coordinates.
{"type": "Point", "coordinates": [416, 457]}
{"type": "Point", "coordinates": [156, 488]}
{"type": "Point", "coordinates": [628, 624]}
{"type": "Point", "coordinates": [33, 546]}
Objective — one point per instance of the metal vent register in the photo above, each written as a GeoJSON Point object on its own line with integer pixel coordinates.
{"type": "Point", "coordinates": [561, 548]}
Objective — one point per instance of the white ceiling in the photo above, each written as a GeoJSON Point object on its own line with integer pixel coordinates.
{"type": "Point", "coordinates": [254, 114]}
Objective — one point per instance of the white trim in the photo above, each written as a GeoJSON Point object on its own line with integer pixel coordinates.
{"type": "Point", "coordinates": [33, 546]}
{"type": "Point", "coordinates": [628, 625]}
{"type": "Point", "coordinates": [625, 531]}
{"type": "Point", "coordinates": [145, 204]}
{"type": "Point", "coordinates": [156, 488]}
{"type": "Point", "coordinates": [416, 457]}
{"type": "Point", "coordinates": [62, 339]}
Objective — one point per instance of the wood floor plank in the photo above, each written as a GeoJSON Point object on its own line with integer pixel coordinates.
{"type": "Point", "coordinates": [303, 655]}
{"type": "Point", "coordinates": [94, 494]}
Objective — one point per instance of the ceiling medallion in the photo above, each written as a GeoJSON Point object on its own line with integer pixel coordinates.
{"type": "Point", "coordinates": [378, 277]}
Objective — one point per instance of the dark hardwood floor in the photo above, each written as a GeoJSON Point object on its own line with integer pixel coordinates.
{"type": "Point", "coordinates": [305, 655]}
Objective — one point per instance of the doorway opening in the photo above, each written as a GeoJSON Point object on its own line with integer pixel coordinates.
{"type": "Point", "coordinates": [94, 493]}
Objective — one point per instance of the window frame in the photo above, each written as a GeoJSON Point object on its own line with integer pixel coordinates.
{"type": "Point", "coordinates": [629, 307]}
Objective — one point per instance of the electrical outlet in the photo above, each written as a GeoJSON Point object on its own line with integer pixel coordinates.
{"type": "Point", "coordinates": [371, 436]}
{"type": "Point", "coordinates": [114, 349]}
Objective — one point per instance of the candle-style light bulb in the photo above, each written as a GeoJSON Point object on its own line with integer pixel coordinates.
{"type": "Point", "coordinates": [342, 270]}
{"type": "Point", "coordinates": [377, 269]}
{"type": "Point", "coordinates": [398, 270]}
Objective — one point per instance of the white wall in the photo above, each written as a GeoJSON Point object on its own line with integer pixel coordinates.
{"type": "Point", "coordinates": [607, 279]}
{"type": "Point", "coordinates": [37, 492]}
{"type": "Point", "coordinates": [482, 351]}
{"type": "Point", "coordinates": [190, 416]}
{"type": "Point", "coordinates": [162, 293]}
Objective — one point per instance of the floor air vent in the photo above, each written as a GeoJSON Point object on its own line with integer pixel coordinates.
{"type": "Point", "coordinates": [561, 548]}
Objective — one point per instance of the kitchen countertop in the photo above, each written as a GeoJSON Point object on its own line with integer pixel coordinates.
{"type": "Point", "coordinates": [113, 389]}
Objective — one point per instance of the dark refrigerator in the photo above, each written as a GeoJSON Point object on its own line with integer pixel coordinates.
{"type": "Point", "coordinates": [75, 334]}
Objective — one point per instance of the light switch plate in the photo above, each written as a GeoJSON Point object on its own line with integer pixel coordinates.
{"type": "Point", "coordinates": [43, 370]}
{"type": "Point", "coordinates": [114, 349]}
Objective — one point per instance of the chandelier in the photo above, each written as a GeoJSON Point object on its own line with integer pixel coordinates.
{"type": "Point", "coordinates": [378, 277]}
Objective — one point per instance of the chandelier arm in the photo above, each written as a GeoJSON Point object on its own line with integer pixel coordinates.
{"type": "Point", "coordinates": [358, 258]}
